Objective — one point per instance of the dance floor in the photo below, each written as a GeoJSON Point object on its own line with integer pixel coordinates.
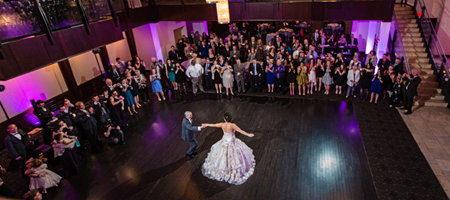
{"type": "Point", "coordinates": [304, 149]}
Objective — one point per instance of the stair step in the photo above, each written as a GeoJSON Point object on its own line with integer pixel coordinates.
{"type": "Point", "coordinates": [419, 66]}
{"type": "Point", "coordinates": [438, 97]}
{"type": "Point", "coordinates": [429, 78]}
{"type": "Point", "coordinates": [430, 84]}
{"type": "Point", "coordinates": [415, 50]}
{"type": "Point", "coordinates": [404, 12]}
{"type": "Point", "coordinates": [401, 17]}
{"type": "Point", "coordinates": [411, 35]}
{"type": "Point", "coordinates": [407, 21]}
{"type": "Point", "coordinates": [398, 7]}
{"type": "Point", "coordinates": [409, 30]}
{"type": "Point", "coordinates": [435, 103]}
{"type": "Point", "coordinates": [410, 25]}
{"type": "Point", "coordinates": [413, 44]}
{"type": "Point", "coordinates": [419, 60]}
{"type": "Point", "coordinates": [410, 55]}
{"type": "Point", "coordinates": [411, 39]}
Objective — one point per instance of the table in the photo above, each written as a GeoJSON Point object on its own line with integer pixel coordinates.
{"type": "Point", "coordinates": [36, 135]}
{"type": "Point", "coordinates": [286, 32]}
{"type": "Point", "coordinates": [347, 52]}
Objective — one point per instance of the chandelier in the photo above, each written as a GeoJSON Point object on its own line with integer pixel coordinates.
{"type": "Point", "coordinates": [223, 14]}
{"type": "Point", "coordinates": [212, 1]}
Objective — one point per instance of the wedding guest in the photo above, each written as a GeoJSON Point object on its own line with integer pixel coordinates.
{"type": "Point", "coordinates": [208, 74]}
{"type": "Point", "coordinates": [279, 77]}
{"type": "Point", "coordinates": [101, 112]}
{"type": "Point", "coordinates": [376, 88]}
{"type": "Point", "coordinates": [387, 81]}
{"type": "Point", "coordinates": [311, 76]}
{"type": "Point", "coordinates": [120, 65]}
{"type": "Point", "coordinates": [170, 73]}
{"type": "Point", "coordinates": [88, 124]}
{"type": "Point", "coordinates": [384, 63]}
{"type": "Point", "coordinates": [126, 92]}
{"type": "Point", "coordinates": [115, 74]}
{"type": "Point", "coordinates": [239, 69]}
{"type": "Point", "coordinates": [117, 110]}
{"type": "Point", "coordinates": [367, 75]}
{"type": "Point", "coordinates": [156, 85]}
{"type": "Point", "coordinates": [45, 178]}
{"type": "Point", "coordinates": [397, 93]}
{"type": "Point", "coordinates": [173, 54]}
{"type": "Point", "coordinates": [228, 78]}
{"type": "Point", "coordinates": [142, 87]}
{"type": "Point", "coordinates": [5, 191]}
{"type": "Point", "coordinates": [320, 72]}
{"type": "Point", "coordinates": [70, 158]}
{"type": "Point", "coordinates": [161, 70]}
{"type": "Point", "coordinates": [18, 145]}
{"type": "Point", "coordinates": [270, 69]}
{"type": "Point", "coordinates": [68, 118]}
{"type": "Point", "coordinates": [352, 81]}
{"type": "Point", "coordinates": [180, 78]}
{"type": "Point", "coordinates": [292, 75]}
{"type": "Point", "coordinates": [43, 112]}
{"type": "Point", "coordinates": [110, 87]}
{"type": "Point", "coordinates": [195, 72]}
{"type": "Point", "coordinates": [327, 79]}
{"type": "Point", "coordinates": [217, 76]}
{"type": "Point", "coordinates": [398, 66]}
{"type": "Point", "coordinates": [411, 85]}
{"type": "Point", "coordinates": [142, 67]}
{"type": "Point", "coordinates": [353, 42]}
{"type": "Point", "coordinates": [302, 78]}
{"type": "Point", "coordinates": [339, 78]}
{"type": "Point", "coordinates": [114, 133]}
{"type": "Point", "coordinates": [33, 195]}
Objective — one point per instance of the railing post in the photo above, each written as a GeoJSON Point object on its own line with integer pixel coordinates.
{"type": "Point", "coordinates": [415, 4]}
{"type": "Point", "coordinates": [84, 17]}
{"type": "Point", "coordinates": [43, 21]}
{"type": "Point", "coordinates": [113, 12]}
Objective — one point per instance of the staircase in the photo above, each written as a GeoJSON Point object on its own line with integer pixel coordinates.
{"type": "Point", "coordinates": [429, 93]}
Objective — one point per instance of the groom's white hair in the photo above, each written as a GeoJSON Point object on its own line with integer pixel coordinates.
{"type": "Point", "coordinates": [187, 113]}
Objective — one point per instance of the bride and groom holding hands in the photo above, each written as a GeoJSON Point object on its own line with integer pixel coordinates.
{"type": "Point", "coordinates": [230, 159]}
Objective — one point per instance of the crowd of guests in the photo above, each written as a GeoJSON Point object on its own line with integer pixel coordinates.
{"type": "Point", "coordinates": [208, 62]}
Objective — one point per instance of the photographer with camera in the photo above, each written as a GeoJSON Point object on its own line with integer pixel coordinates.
{"type": "Point", "coordinates": [113, 132]}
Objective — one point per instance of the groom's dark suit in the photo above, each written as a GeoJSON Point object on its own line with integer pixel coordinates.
{"type": "Point", "coordinates": [188, 135]}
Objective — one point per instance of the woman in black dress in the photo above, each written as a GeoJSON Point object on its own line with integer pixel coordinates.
{"type": "Point", "coordinates": [117, 110]}
{"type": "Point", "coordinates": [217, 76]}
{"type": "Point", "coordinates": [292, 75]}
{"type": "Point", "coordinates": [180, 77]}
{"type": "Point", "coordinates": [397, 93]}
{"type": "Point", "coordinates": [320, 71]}
{"type": "Point", "coordinates": [387, 82]}
{"type": "Point", "coordinates": [134, 88]}
{"type": "Point", "coordinates": [340, 78]}
{"type": "Point", "coordinates": [366, 79]}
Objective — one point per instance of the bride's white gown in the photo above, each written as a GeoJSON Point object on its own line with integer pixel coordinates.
{"type": "Point", "coordinates": [230, 160]}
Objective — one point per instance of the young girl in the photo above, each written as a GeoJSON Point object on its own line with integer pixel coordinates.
{"type": "Point", "coordinates": [41, 177]}
{"type": "Point", "coordinates": [60, 144]}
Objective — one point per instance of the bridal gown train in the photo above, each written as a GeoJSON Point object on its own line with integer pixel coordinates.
{"type": "Point", "coordinates": [230, 160]}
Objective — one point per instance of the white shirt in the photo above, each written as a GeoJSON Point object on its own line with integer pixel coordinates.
{"type": "Point", "coordinates": [17, 135]}
{"type": "Point", "coordinates": [194, 71]}
{"type": "Point", "coordinates": [120, 66]}
{"type": "Point", "coordinates": [199, 128]}
{"type": "Point", "coordinates": [296, 52]}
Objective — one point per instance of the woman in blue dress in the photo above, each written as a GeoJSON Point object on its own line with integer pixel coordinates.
{"type": "Point", "coordinates": [377, 87]}
{"type": "Point", "coordinates": [203, 50]}
{"type": "Point", "coordinates": [156, 85]}
{"type": "Point", "coordinates": [270, 75]}
{"type": "Point", "coordinates": [170, 71]}
{"type": "Point", "coordinates": [134, 87]}
{"type": "Point", "coordinates": [128, 97]}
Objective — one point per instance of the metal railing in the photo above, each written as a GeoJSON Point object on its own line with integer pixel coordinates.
{"type": "Point", "coordinates": [397, 43]}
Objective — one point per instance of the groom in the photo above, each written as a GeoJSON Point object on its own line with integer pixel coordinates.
{"type": "Point", "coordinates": [188, 133]}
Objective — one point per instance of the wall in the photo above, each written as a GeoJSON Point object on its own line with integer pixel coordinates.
{"type": "Point", "coordinates": [44, 83]}
{"type": "Point", "coordinates": [167, 37]}
{"type": "Point", "coordinates": [365, 32]}
{"type": "Point", "coordinates": [119, 49]}
{"type": "Point", "coordinates": [200, 26]}
{"type": "Point", "coordinates": [443, 29]}
{"type": "Point", "coordinates": [144, 43]}
{"type": "Point", "coordinates": [85, 67]}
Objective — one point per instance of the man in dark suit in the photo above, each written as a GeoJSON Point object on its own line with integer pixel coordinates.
{"type": "Point", "coordinates": [43, 112]}
{"type": "Point", "coordinates": [279, 77]}
{"type": "Point", "coordinates": [173, 54]}
{"type": "Point", "coordinates": [68, 118]}
{"type": "Point", "coordinates": [278, 43]}
{"type": "Point", "coordinates": [398, 66]}
{"type": "Point", "coordinates": [114, 74]}
{"type": "Point", "coordinates": [410, 90]}
{"type": "Point", "coordinates": [18, 145]}
{"type": "Point", "coordinates": [384, 63]}
{"type": "Point", "coordinates": [226, 52]}
{"type": "Point", "coordinates": [353, 42]}
{"type": "Point", "coordinates": [239, 69]}
{"type": "Point", "coordinates": [253, 44]}
{"type": "Point", "coordinates": [255, 72]}
{"type": "Point", "coordinates": [87, 123]}
{"type": "Point", "coordinates": [316, 37]}
{"type": "Point", "coordinates": [208, 75]}
{"type": "Point", "coordinates": [101, 112]}
{"type": "Point", "coordinates": [188, 135]}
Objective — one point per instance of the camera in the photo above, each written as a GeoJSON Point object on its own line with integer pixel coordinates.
{"type": "Point", "coordinates": [109, 122]}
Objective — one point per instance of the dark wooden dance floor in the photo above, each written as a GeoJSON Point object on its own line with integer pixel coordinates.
{"type": "Point", "coordinates": [304, 149]}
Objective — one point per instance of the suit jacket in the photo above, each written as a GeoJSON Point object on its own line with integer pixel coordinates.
{"type": "Point", "coordinates": [66, 118]}
{"type": "Point", "coordinates": [254, 45]}
{"type": "Point", "coordinates": [206, 69]}
{"type": "Point", "coordinates": [187, 130]}
{"type": "Point", "coordinates": [411, 86]}
{"type": "Point", "coordinates": [15, 146]}
{"type": "Point", "coordinates": [239, 68]}
{"type": "Point", "coordinates": [44, 116]}
{"type": "Point", "coordinates": [252, 66]}
{"type": "Point", "coordinates": [226, 53]}
{"type": "Point", "coordinates": [109, 90]}
{"type": "Point", "coordinates": [86, 123]}
{"type": "Point", "coordinates": [115, 77]}
{"type": "Point", "coordinates": [355, 42]}
{"type": "Point", "coordinates": [384, 65]}
{"type": "Point", "coordinates": [173, 55]}
{"type": "Point", "coordinates": [98, 111]}
{"type": "Point", "coordinates": [232, 53]}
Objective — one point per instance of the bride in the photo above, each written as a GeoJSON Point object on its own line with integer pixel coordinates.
{"type": "Point", "coordinates": [230, 159]}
